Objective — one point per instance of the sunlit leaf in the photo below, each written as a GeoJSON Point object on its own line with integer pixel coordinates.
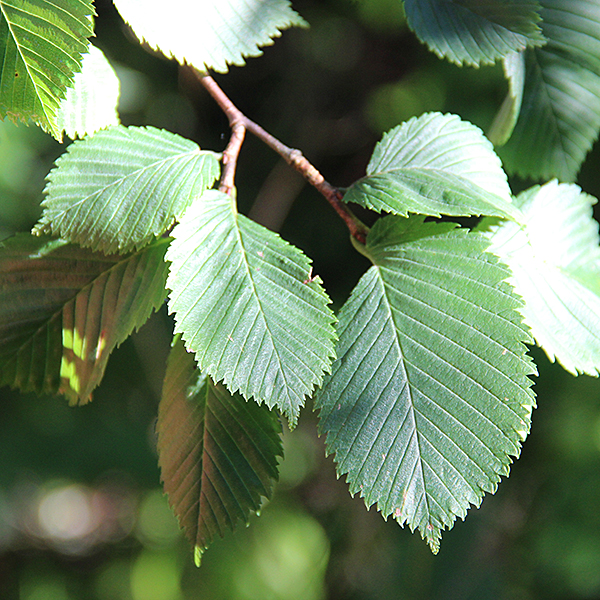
{"type": "Point", "coordinates": [91, 103]}
{"type": "Point", "coordinates": [560, 113]}
{"type": "Point", "coordinates": [555, 260]}
{"type": "Point", "coordinates": [217, 452]}
{"type": "Point", "coordinates": [63, 309]}
{"type": "Point", "coordinates": [41, 47]}
{"type": "Point", "coordinates": [119, 189]}
{"type": "Point", "coordinates": [435, 165]}
{"type": "Point", "coordinates": [429, 397]}
{"type": "Point", "coordinates": [475, 32]}
{"type": "Point", "coordinates": [246, 304]}
{"type": "Point", "coordinates": [208, 34]}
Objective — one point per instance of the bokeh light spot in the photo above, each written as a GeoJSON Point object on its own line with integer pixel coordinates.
{"type": "Point", "coordinates": [157, 526]}
{"type": "Point", "coordinates": [65, 513]}
{"type": "Point", "coordinates": [392, 103]}
{"type": "Point", "coordinates": [156, 576]}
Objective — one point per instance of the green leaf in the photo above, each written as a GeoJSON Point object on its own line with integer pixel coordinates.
{"type": "Point", "coordinates": [435, 165]}
{"type": "Point", "coordinates": [429, 397]}
{"type": "Point", "coordinates": [91, 103]}
{"type": "Point", "coordinates": [217, 452]}
{"type": "Point", "coordinates": [41, 47]}
{"type": "Point", "coordinates": [208, 34]}
{"type": "Point", "coordinates": [246, 304]}
{"type": "Point", "coordinates": [119, 189]}
{"type": "Point", "coordinates": [63, 309]}
{"type": "Point", "coordinates": [560, 113]}
{"type": "Point", "coordinates": [506, 119]}
{"type": "Point", "coordinates": [474, 32]}
{"type": "Point", "coordinates": [555, 260]}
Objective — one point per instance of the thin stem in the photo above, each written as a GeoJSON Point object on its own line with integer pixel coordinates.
{"type": "Point", "coordinates": [230, 156]}
{"type": "Point", "coordinates": [239, 123]}
{"type": "Point", "coordinates": [238, 132]}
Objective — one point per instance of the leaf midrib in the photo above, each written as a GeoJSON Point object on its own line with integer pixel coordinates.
{"type": "Point", "coordinates": [412, 408]}
{"type": "Point", "coordinates": [460, 185]}
{"type": "Point", "coordinates": [117, 182]}
{"type": "Point", "coordinates": [415, 411]}
{"type": "Point", "coordinates": [442, 176]}
{"type": "Point", "coordinates": [244, 258]}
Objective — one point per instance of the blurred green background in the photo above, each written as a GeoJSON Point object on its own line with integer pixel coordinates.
{"type": "Point", "coordinates": [82, 515]}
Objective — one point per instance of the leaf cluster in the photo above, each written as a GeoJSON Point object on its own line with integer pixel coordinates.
{"type": "Point", "coordinates": [422, 381]}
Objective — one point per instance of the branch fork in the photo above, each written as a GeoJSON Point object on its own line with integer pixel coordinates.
{"type": "Point", "coordinates": [239, 124]}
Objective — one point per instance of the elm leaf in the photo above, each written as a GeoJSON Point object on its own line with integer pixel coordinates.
{"type": "Point", "coordinates": [429, 397]}
{"type": "Point", "coordinates": [245, 302]}
{"type": "Point", "coordinates": [217, 452]}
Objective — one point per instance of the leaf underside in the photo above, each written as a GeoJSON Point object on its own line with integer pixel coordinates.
{"type": "Point", "coordinates": [429, 397]}
{"type": "Point", "coordinates": [245, 303]}
{"type": "Point", "coordinates": [435, 165]}
{"type": "Point", "coordinates": [41, 47]}
{"type": "Point", "coordinates": [555, 261]}
{"type": "Point", "coordinates": [63, 309]}
{"type": "Point", "coordinates": [508, 114]}
{"type": "Point", "coordinates": [217, 452]}
{"type": "Point", "coordinates": [208, 34]}
{"type": "Point", "coordinates": [560, 113]}
{"type": "Point", "coordinates": [119, 189]}
{"type": "Point", "coordinates": [473, 32]}
{"type": "Point", "coordinates": [91, 103]}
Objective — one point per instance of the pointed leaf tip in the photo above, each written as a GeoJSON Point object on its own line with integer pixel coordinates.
{"type": "Point", "coordinates": [198, 552]}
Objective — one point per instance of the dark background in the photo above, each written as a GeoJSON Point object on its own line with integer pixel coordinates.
{"type": "Point", "coordinates": [81, 511]}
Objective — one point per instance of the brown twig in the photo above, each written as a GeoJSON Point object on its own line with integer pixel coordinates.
{"type": "Point", "coordinates": [238, 132]}
{"type": "Point", "coordinates": [230, 156]}
{"type": "Point", "coordinates": [239, 123]}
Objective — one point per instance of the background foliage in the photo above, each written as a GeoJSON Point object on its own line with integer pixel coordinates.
{"type": "Point", "coordinates": [330, 90]}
